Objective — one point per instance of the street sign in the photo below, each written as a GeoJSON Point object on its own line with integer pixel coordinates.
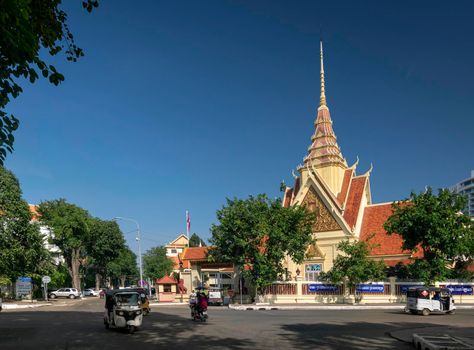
{"type": "Point", "coordinates": [23, 287]}
{"type": "Point", "coordinates": [46, 279]}
{"type": "Point", "coordinates": [142, 283]}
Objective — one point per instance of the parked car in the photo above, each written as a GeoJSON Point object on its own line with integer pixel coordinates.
{"type": "Point", "coordinates": [215, 297]}
{"type": "Point", "coordinates": [70, 293]}
{"type": "Point", "coordinates": [91, 292]}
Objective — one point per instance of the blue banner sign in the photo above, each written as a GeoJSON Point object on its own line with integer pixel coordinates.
{"type": "Point", "coordinates": [370, 288]}
{"type": "Point", "coordinates": [404, 288]}
{"type": "Point", "coordinates": [24, 279]}
{"type": "Point", "coordinates": [322, 288]}
{"type": "Point", "coordinates": [460, 289]}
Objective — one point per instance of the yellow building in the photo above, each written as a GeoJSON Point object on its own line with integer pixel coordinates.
{"type": "Point", "coordinates": [341, 200]}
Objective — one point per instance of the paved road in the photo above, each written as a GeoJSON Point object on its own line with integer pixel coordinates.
{"type": "Point", "coordinates": [78, 325]}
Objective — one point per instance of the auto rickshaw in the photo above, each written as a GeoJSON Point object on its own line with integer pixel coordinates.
{"type": "Point", "coordinates": [425, 300]}
{"type": "Point", "coordinates": [123, 309]}
{"type": "Point", "coordinates": [145, 302]}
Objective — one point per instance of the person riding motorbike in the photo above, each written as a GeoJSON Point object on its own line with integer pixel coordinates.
{"type": "Point", "coordinates": [198, 304]}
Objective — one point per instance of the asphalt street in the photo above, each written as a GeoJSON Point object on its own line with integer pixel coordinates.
{"type": "Point", "coordinates": [78, 325]}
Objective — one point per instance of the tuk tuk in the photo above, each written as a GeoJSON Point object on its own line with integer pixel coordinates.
{"type": "Point", "coordinates": [123, 309]}
{"type": "Point", "coordinates": [145, 301]}
{"type": "Point", "coordinates": [425, 300]}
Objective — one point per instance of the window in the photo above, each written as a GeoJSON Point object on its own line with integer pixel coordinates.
{"type": "Point", "coordinates": [312, 271]}
{"type": "Point", "coordinates": [167, 288]}
{"type": "Point", "coordinates": [174, 251]}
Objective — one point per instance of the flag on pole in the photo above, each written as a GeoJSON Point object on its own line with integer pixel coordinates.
{"type": "Point", "coordinates": [188, 224]}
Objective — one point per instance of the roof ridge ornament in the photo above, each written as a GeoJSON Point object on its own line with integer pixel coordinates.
{"type": "Point", "coordinates": [322, 98]}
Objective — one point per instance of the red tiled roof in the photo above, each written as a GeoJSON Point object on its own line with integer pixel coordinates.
{"type": "Point", "coordinates": [354, 199]}
{"type": "Point", "coordinates": [297, 186]}
{"type": "Point", "coordinates": [372, 225]}
{"type": "Point", "coordinates": [175, 261]}
{"type": "Point", "coordinates": [341, 197]}
{"type": "Point", "coordinates": [287, 199]}
{"type": "Point", "coordinates": [195, 253]}
{"type": "Point", "coordinates": [166, 280]}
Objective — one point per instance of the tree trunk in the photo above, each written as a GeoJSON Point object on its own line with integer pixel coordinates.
{"type": "Point", "coordinates": [75, 265]}
{"type": "Point", "coordinates": [122, 281]}
{"type": "Point", "coordinates": [97, 281]}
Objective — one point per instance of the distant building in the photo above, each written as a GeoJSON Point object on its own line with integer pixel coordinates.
{"type": "Point", "coordinates": [175, 248]}
{"type": "Point", "coordinates": [466, 187]}
{"type": "Point", "coordinates": [46, 232]}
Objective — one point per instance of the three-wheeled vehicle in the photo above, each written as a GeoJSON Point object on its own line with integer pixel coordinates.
{"type": "Point", "coordinates": [123, 309]}
{"type": "Point", "coordinates": [425, 300]}
{"type": "Point", "coordinates": [145, 301]}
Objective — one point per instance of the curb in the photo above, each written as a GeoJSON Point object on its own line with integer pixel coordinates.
{"type": "Point", "coordinates": [19, 306]}
{"type": "Point", "coordinates": [167, 304]}
{"type": "Point", "coordinates": [325, 308]}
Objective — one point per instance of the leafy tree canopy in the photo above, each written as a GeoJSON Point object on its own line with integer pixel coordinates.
{"type": "Point", "coordinates": [354, 264]}
{"type": "Point", "coordinates": [29, 28]}
{"type": "Point", "coordinates": [21, 244]}
{"type": "Point", "coordinates": [156, 264]}
{"type": "Point", "coordinates": [436, 225]}
{"type": "Point", "coordinates": [123, 266]}
{"type": "Point", "coordinates": [105, 243]}
{"type": "Point", "coordinates": [196, 241]}
{"type": "Point", "coordinates": [259, 233]}
{"type": "Point", "coordinates": [71, 232]}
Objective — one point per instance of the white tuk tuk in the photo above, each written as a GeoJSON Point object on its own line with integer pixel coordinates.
{"type": "Point", "coordinates": [123, 309]}
{"type": "Point", "coordinates": [425, 300]}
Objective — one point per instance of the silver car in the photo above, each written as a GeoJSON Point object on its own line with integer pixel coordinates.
{"type": "Point", "coordinates": [70, 293]}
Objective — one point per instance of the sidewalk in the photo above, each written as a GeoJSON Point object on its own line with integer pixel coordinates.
{"type": "Point", "coordinates": [463, 333]}
{"type": "Point", "coordinates": [367, 306]}
{"type": "Point", "coordinates": [36, 304]}
{"type": "Point", "coordinates": [12, 306]}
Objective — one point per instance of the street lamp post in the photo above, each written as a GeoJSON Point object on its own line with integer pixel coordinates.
{"type": "Point", "coordinates": [139, 245]}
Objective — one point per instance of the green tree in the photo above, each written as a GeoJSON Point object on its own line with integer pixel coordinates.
{"type": "Point", "coordinates": [259, 233]}
{"type": "Point", "coordinates": [436, 225]}
{"type": "Point", "coordinates": [70, 226]}
{"type": "Point", "coordinates": [21, 244]}
{"type": "Point", "coordinates": [123, 267]}
{"type": "Point", "coordinates": [105, 243]}
{"type": "Point", "coordinates": [354, 265]}
{"type": "Point", "coordinates": [30, 29]}
{"type": "Point", "coordinates": [196, 241]}
{"type": "Point", "coordinates": [156, 264]}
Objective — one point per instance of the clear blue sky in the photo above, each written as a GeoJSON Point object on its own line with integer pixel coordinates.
{"type": "Point", "coordinates": [180, 104]}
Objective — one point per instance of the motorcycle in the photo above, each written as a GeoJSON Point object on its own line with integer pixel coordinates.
{"type": "Point", "coordinates": [197, 313]}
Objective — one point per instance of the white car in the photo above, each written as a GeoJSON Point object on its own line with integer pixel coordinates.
{"type": "Point", "coordinates": [70, 293]}
{"type": "Point", "coordinates": [91, 292]}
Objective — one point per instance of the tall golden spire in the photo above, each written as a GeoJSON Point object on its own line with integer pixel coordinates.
{"type": "Point", "coordinates": [322, 99]}
{"type": "Point", "coordinates": [324, 150]}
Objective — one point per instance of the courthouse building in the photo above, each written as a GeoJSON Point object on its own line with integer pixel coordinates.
{"type": "Point", "coordinates": [342, 200]}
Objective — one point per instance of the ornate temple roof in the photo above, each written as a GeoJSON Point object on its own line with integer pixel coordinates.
{"type": "Point", "coordinates": [324, 149]}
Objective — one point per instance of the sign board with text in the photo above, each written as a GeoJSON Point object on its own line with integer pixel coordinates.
{"type": "Point", "coordinates": [370, 288]}
{"type": "Point", "coordinates": [322, 288]}
{"type": "Point", "coordinates": [460, 289]}
{"type": "Point", "coordinates": [23, 287]}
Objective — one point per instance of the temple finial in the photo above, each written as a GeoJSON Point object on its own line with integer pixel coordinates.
{"type": "Point", "coordinates": [322, 99]}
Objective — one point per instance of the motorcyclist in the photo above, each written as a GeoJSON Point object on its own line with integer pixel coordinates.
{"type": "Point", "coordinates": [202, 300]}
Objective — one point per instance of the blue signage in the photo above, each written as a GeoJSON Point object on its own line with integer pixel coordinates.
{"type": "Point", "coordinates": [404, 288]}
{"type": "Point", "coordinates": [460, 289]}
{"type": "Point", "coordinates": [322, 288]}
{"type": "Point", "coordinates": [370, 288]}
{"type": "Point", "coordinates": [24, 279]}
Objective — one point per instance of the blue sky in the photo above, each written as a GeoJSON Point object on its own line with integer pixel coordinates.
{"type": "Point", "coordinates": [180, 104]}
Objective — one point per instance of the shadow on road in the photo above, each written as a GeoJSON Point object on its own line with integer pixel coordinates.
{"type": "Point", "coordinates": [85, 330]}
{"type": "Point", "coordinates": [361, 335]}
